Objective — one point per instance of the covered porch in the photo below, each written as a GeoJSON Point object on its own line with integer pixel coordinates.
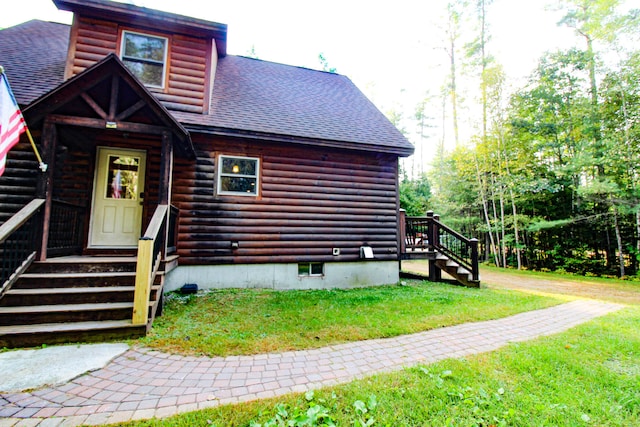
{"type": "Point", "coordinates": [109, 146]}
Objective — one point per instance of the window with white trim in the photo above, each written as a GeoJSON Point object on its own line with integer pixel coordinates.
{"type": "Point", "coordinates": [145, 56]}
{"type": "Point", "coordinates": [238, 176]}
{"type": "Point", "coordinates": [311, 269]}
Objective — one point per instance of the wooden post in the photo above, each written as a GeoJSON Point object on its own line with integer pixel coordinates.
{"type": "Point", "coordinates": [143, 281]}
{"type": "Point", "coordinates": [435, 275]}
{"type": "Point", "coordinates": [164, 193]}
{"type": "Point", "coordinates": [45, 183]}
{"type": "Point", "coordinates": [402, 218]}
{"type": "Point", "coordinates": [475, 268]}
{"type": "Point", "coordinates": [166, 164]}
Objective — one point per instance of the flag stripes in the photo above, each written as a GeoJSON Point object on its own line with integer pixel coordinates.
{"type": "Point", "coordinates": [12, 123]}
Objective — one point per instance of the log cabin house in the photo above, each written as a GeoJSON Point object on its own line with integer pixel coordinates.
{"type": "Point", "coordinates": [171, 162]}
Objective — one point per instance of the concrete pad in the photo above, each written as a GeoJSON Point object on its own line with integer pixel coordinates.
{"type": "Point", "coordinates": [28, 369]}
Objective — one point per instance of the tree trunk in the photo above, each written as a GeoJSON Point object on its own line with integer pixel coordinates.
{"type": "Point", "coordinates": [485, 210]}
{"type": "Point", "coordinates": [619, 241]}
{"type": "Point", "coordinates": [454, 92]}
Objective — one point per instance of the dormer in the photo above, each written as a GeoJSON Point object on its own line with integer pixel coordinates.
{"type": "Point", "coordinates": [174, 56]}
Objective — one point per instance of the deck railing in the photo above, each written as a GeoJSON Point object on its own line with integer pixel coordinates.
{"type": "Point", "coordinates": [19, 242]}
{"type": "Point", "coordinates": [151, 248]}
{"type": "Point", "coordinates": [66, 228]}
{"type": "Point", "coordinates": [172, 233]}
{"type": "Point", "coordinates": [427, 233]}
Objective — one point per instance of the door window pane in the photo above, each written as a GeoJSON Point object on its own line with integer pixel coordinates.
{"type": "Point", "coordinates": [122, 177]}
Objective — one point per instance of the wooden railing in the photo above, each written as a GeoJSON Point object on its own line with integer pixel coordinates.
{"type": "Point", "coordinates": [151, 248]}
{"type": "Point", "coordinates": [427, 233]}
{"type": "Point", "coordinates": [66, 229]}
{"type": "Point", "coordinates": [172, 233]}
{"type": "Point", "coordinates": [18, 242]}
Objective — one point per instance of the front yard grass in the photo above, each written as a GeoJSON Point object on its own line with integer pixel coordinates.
{"type": "Point", "coordinates": [587, 376]}
{"type": "Point", "coordinates": [253, 321]}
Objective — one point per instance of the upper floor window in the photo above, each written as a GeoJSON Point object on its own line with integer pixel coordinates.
{"type": "Point", "coordinates": [145, 56]}
{"type": "Point", "coordinates": [238, 175]}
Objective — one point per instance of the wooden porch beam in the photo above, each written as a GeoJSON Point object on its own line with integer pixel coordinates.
{"type": "Point", "coordinates": [93, 104]}
{"type": "Point", "coordinates": [129, 111]}
{"type": "Point", "coordinates": [102, 124]}
{"type": "Point", "coordinates": [115, 92]}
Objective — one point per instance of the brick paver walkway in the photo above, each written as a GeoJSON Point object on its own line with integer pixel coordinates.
{"type": "Point", "coordinates": [143, 383]}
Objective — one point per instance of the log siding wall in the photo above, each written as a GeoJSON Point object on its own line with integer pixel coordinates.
{"type": "Point", "coordinates": [311, 200]}
{"type": "Point", "coordinates": [189, 61]}
{"type": "Point", "coordinates": [19, 181]}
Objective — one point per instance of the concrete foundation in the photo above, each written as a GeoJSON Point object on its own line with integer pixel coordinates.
{"type": "Point", "coordinates": [284, 276]}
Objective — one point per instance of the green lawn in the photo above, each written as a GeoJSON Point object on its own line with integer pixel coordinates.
{"type": "Point", "coordinates": [251, 321]}
{"type": "Point", "coordinates": [586, 376]}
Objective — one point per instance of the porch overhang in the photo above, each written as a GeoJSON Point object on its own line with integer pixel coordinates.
{"type": "Point", "coordinates": [107, 96]}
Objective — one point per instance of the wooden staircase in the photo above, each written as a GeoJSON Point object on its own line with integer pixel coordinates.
{"type": "Point", "coordinates": [445, 249]}
{"type": "Point", "coordinates": [74, 299]}
{"type": "Point", "coordinates": [455, 270]}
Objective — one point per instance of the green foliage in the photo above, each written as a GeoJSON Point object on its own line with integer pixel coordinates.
{"type": "Point", "coordinates": [313, 414]}
{"type": "Point", "coordinates": [550, 178]}
{"type": "Point", "coordinates": [415, 196]}
{"type": "Point", "coordinates": [325, 64]}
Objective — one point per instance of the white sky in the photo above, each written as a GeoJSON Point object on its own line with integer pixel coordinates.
{"type": "Point", "coordinates": [389, 49]}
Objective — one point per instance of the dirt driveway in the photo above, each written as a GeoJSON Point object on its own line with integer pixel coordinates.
{"type": "Point", "coordinates": [626, 293]}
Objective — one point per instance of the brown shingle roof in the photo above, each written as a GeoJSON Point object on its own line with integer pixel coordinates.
{"type": "Point", "coordinates": [258, 96]}
{"type": "Point", "coordinates": [33, 55]}
{"type": "Point", "coordinates": [250, 97]}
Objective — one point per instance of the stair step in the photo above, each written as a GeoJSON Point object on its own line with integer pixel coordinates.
{"type": "Point", "coordinates": [85, 264]}
{"type": "Point", "coordinates": [75, 299]}
{"type": "Point", "coordinates": [33, 314]}
{"type": "Point", "coordinates": [51, 296]}
{"type": "Point", "coordinates": [462, 270]}
{"type": "Point", "coordinates": [53, 333]}
{"type": "Point", "coordinates": [452, 263]}
{"type": "Point", "coordinates": [47, 280]}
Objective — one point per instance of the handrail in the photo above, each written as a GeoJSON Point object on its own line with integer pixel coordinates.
{"type": "Point", "coordinates": [151, 246]}
{"type": "Point", "coordinates": [19, 218]}
{"type": "Point", "coordinates": [17, 240]}
{"type": "Point", "coordinates": [457, 247]}
{"type": "Point", "coordinates": [428, 234]}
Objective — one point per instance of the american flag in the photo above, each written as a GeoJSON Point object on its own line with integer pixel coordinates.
{"type": "Point", "coordinates": [11, 121]}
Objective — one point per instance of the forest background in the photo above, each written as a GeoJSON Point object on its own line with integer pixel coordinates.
{"type": "Point", "coordinates": [546, 175]}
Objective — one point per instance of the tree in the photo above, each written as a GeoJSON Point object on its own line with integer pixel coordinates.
{"type": "Point", "coordinates": [325, 64]}
{"type": "Point", "coordinates": [415, 196]}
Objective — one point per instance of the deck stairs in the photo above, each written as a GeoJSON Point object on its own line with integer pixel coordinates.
{"type": "Point", "coordinates": [455, 270]}
{"type": "Point", "coordinates": [74, 299]}
{"type": "Point", "coordinates": [448, 251]}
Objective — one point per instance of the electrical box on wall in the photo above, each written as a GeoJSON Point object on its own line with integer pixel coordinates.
{"type": "Point", "coordinates": [336, 251]}
{"type": "Point", "coordinates": [366, 252]}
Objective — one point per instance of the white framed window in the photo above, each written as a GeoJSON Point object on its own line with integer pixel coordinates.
{"type": "Point", "coordinates": [311, 269]}
{"type": "Point", "coordinates": [145, 56]}
{"type": "Point", "coordinates": [238, 176]}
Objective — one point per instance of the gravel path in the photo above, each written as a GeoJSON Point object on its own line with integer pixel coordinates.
{"type": "Point", "coordinates": [626, 293]}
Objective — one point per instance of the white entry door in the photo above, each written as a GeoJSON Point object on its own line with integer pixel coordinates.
{"type": "Point", "coordinates": [116, 215]}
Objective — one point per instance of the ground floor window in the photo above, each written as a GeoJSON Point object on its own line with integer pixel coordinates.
{"type": "Point", "coordinates": [238, 175]}
{"type": "Point", "coordinates": [310, 269]}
